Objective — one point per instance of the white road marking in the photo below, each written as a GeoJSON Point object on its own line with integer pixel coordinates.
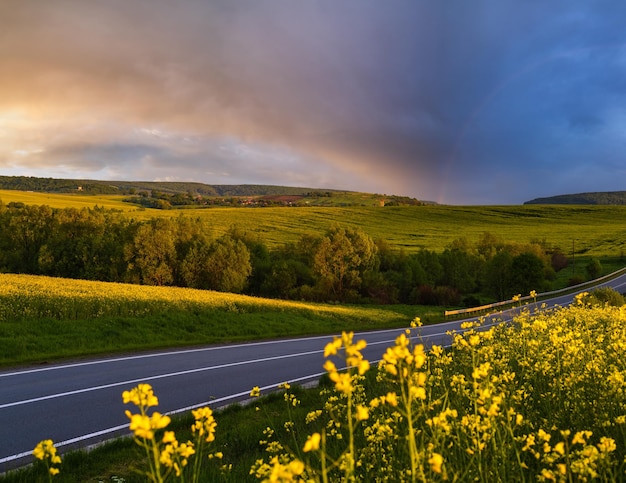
{"type": "Point", "coordinates": [175, 353]}
{"type": "Point", "coordinates": [114, 429]}
{"type": "Point", "coordinates": [180, 373]}
{"type": "Point", "coordinates": [152, 378]}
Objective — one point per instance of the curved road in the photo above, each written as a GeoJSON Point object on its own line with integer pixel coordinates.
{"type": "Point", "coordinates": [80, 404]}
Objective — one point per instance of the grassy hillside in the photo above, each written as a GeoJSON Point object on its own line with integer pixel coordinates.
{"type": "Point", "coordinates": [595, 198]}
{"type": "Point", "coordinates": [38, 315]}
{"type": "Point", "coordinates": [588, 230]}
{"type": "Point", "coordinates": [65, 200]}
{"type": "Point", "coordinates": [99, 187]}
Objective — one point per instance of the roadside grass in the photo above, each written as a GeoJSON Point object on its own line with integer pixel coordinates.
{"type": "Point", "coordinates": [593, 230]}
{"type": "Point", "coordinates": [39, 315]}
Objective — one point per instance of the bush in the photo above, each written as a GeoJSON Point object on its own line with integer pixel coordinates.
{"type": "Point", "coordinates": [594, 268]}
{"type": "Point", "coordinates": [575, 280]}
{"type": "Point", "coordinates": [558, 261]}
{"type": "Point", "coordinates": [604, 296]}
{"type": "Point", "coordinates": [471, 301]}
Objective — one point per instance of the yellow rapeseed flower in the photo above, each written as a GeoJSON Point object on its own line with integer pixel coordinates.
{"type": "Point", "coordinates": [280, 472]}
{"type": "Point", "coordinates": [391, 398]}
{"type": "Point", "coordinates": [169, 437]}
{"type": "Point", "coordinates": [332, 347]}
{"type": "Point", "coordinates": [143, 426]}
{"type": "Point", "coordinates": [204, 424]}
{"type": "Point", "coordinates": [580, 437]}
{"type": "Point", "coordinates": [607, 445]}
{"type": "Point", "coordinates": [141, 396]}
{"type": "Point", "coordinates": [46, 452]}
{"type": "Point", "coordinates": [362, 413]}
{"type": "Point", "coordinates": [435, 461]}
{"type": "Point", "coordinates": [474, 340]}
{"type": "Point", "coordinates": [312, 443]}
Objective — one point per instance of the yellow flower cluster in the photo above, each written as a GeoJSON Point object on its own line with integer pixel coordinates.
{"type": "Point", "coordinates": [141, 396]}
{"type": "Point", "coordinates": [402, 362]}
{"type": "Point", "coordinates": [46, 452]}
{"type": "Point", "coordinates": [353, 357]}
{"type": "Point", "coordinates": [144, 426]}
{"type": "Point", "coordinates": [175, 455]}
{"type": "Point", "coordinates": [167, 455]}
{"type": "Point", "coordinates": [278, 471]}
{"type": "Point", "coordinates": [204, 424]}
{"type": "Point", "coordinates": [510, 403]}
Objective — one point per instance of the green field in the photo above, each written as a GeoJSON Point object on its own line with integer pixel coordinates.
{"type": "Point", "coordinates": [597, 231]}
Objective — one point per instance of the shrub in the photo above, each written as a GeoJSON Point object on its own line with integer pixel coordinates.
{"type": "Point", "coordinates": [604, 296]}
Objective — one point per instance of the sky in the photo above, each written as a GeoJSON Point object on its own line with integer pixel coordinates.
{"type": "Point", "coordinates": [454, 101]}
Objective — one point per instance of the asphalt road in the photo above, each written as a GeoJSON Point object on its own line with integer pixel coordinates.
{"type": "Point", "coordinates": [80, 404]}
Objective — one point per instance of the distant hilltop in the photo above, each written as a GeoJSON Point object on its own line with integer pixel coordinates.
{"type": "Point", "coordinates": [169, 194]}
{"type": "Point", "coordinates": [599, 198]}
{"type": "Point", "coordinates": [90, 186]}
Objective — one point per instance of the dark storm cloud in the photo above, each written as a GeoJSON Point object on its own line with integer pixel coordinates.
{"type": "Point", "coordinates": [463, 102]}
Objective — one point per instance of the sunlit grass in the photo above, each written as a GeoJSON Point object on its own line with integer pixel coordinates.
{"type": "Point", "coordinates": [38, 315]}
{"type": "Point", "coordinates": [59, 200]}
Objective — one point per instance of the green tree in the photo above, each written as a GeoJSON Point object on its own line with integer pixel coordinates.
{"type": "Point", "coordinates": [75, 247]}
{"type": "Point", "coordinates": [340, 260]}
{"type": "Point", "coordinates": [489, 245]}
{"type": "Point", "coordinates": [260, 258]}
{"type": "Point", "coordinates": [223, 266]}
{"type": "Point", "coordinates": [29, 229]}
{"type": "Point", "coordinates": [431, 265]}
{"type": "Point", "coordinates": [594, 268]}
{"type": "Point", "coordinates": [282, 281]}
{"type": "Point", "coordinates": [498, 275]}
{"type": "Point", "coordinates": [527, 272]}
{"type": "Point", "coordinates": [460, 270]}
{"type": "Point", "coordinates": [152, 254]}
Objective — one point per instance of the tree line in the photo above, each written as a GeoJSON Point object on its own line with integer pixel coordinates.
{"type": "Point", "coordinates": [342, 264]}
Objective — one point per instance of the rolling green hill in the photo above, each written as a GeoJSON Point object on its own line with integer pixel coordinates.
{"type": "Point", "coordinates": [595, 198]}
{"type": "Point", "coordinates": [90, 187]}
{"type": "Point", "coordinates": [172, 194]}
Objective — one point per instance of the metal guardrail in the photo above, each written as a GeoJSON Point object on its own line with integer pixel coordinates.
{"type": "Point", "coordinates": [573, 288]}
